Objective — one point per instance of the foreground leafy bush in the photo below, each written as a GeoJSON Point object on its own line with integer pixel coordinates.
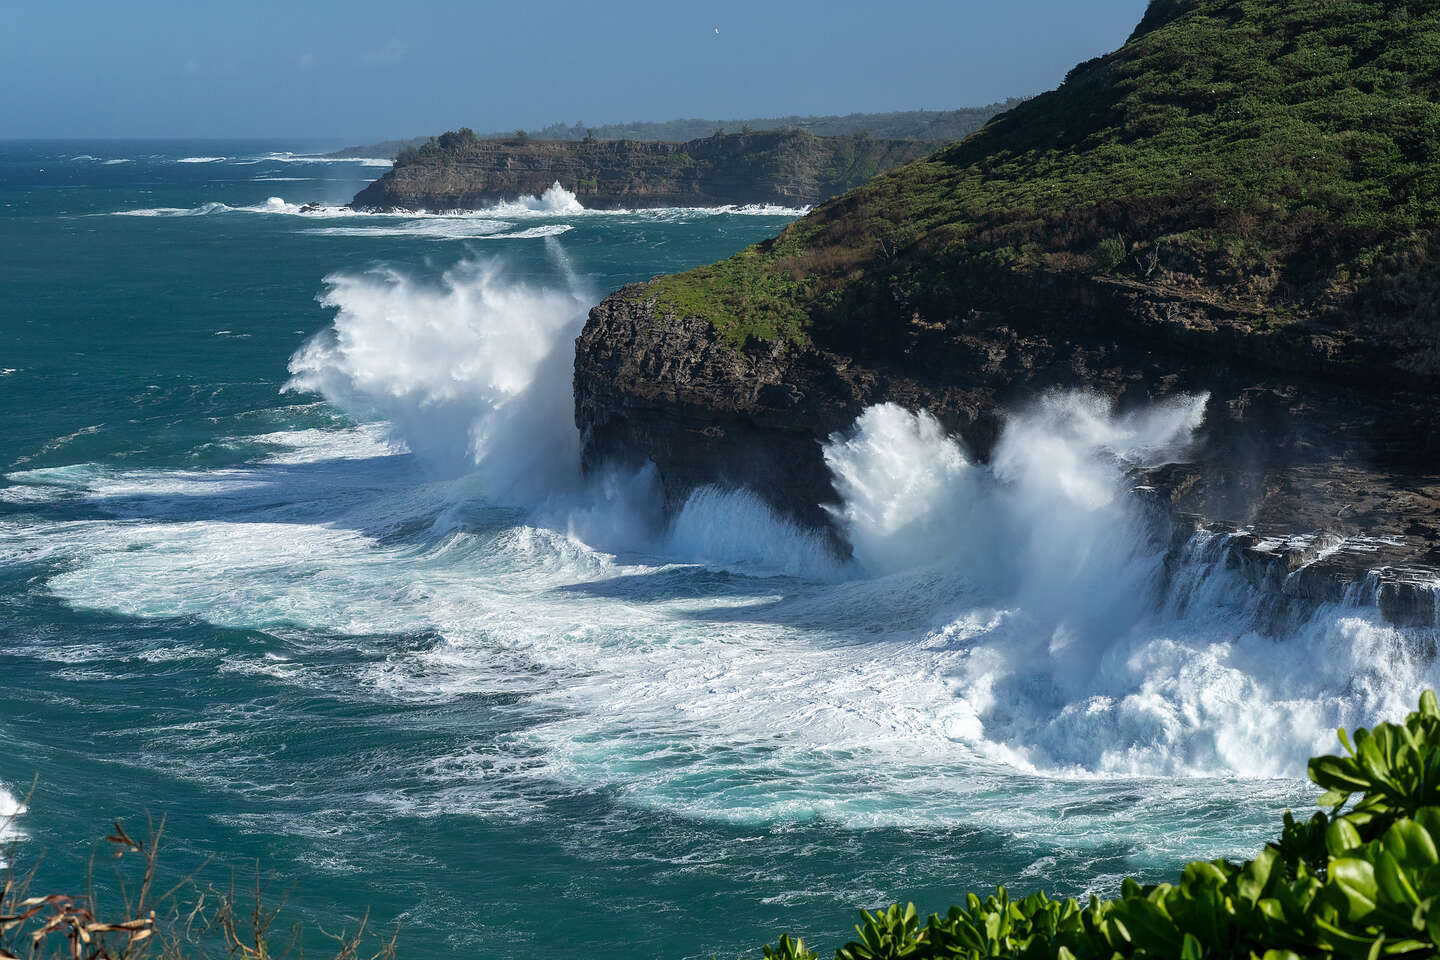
{"type": "Point", "coordinates": [1356, 882]}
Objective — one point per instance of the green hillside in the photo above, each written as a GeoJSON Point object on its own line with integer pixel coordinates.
{"type": "Point", "coordinates": [1273, 156]}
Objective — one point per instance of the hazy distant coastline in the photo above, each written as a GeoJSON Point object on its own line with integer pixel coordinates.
{"type": "Point", "coordinates": [937, 125]}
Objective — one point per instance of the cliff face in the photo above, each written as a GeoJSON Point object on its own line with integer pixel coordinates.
{"type": "Point", "coordinates": [790, 168]}
{"type": "Point", "coordinates": [1202, 211]}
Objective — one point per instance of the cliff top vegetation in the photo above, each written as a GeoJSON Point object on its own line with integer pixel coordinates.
{"type": "Point", "coordinates": [457, 145]}
{"type": "Point", "coordinates": [940, 126]}
{"type": "Point", "coordinates": [1275, 156]}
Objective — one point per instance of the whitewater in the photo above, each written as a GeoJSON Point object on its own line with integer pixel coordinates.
{"type": "Point", "coordinates": [315, 564]}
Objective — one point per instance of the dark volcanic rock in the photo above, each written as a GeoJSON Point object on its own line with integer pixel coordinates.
{"type": "Point", "coordinates": [1239, 201]}
{"type": "Point", "coordinates": [1326, 464]}
{"type": "Point", "coordinates": [790, 168]}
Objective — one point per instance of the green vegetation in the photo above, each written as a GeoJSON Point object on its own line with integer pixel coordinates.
{"type": "Point", "coordinates": [763, 308]}
{"type": "Point", "coordinates": [448, 144]}
{"type": "Point", "coordinates": [937, 126]}
{"type": "Point", "coordinates": [1360, 882]}
{"type": "Point", "coordinates": [1278, 157]}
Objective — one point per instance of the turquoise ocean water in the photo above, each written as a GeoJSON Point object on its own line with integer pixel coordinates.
{"type": "Point", "coordinates": [294, 550]}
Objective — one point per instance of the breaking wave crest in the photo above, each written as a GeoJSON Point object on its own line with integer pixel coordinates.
{"type": "Point", "coordinates": [10, 811]}
{"type": "Point", "coordinates": [1018, 622]}
{"type": "Point", "coordinates": [554, 202]}
{"type": "Point", "coordinates": [472, 373]}
{"type": "Point", "coordinates": [273, 205]}
{"type": "Point", "coordinates": [1081, 646]}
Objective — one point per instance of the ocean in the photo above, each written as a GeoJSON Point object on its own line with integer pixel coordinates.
{"type": "Point", "coordinates": [295, 551]}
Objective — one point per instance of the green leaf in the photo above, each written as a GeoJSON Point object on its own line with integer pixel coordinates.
{"type": "Point", "coordinates": [1337, 773]}
{"type": "Point", "coordinates": [1355, 879]}
{"type": "Point", "coordinates": [1392, 880]}
{"type": "Point", "coordinates": [1432, 925]}
{"type": "Point", "coordinates": [1253, 879]}
{"type": "Point", "coordinates": [1333, 798]}
{"type": "Point", "coordinates": [1410, 844]}
{"type": "Point", "coordinates": [1429, 820]}
{"type": "Point", "coordinates": [1342, 837]}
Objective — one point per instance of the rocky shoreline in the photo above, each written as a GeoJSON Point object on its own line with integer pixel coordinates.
{"type": "Point", "coordinates": [1192, 214]}
{"type": "Point", "coordinates": [783, 167]}
{"type": "Point", "coordinates": [1313, 466]}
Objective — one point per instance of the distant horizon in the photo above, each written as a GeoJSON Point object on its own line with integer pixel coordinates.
{"type": "Point", "coordinates": [376, 138]}
{"type": "Point", "coordinates": [359, 72]}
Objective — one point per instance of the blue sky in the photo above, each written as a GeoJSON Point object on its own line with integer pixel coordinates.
{"type": "Point", "coordinates": [358, 69]}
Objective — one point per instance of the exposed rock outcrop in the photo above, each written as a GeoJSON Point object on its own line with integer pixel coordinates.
{"type": "Point", "coordinates": [1240, 202]}
{"type": "Point", "coordinates": [789, 168]}
{"type": "Point", "coordinates": [1324, 467]}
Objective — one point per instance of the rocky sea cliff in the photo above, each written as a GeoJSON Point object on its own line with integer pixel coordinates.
{"type": "Point", "coordinates": [785, 167]}
{"type": "Point", "coordinates": [1237, 203]}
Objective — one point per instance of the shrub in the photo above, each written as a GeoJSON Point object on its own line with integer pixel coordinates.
{"type": "Point", "coordinates": [1109, 254]}
{"type": "Point", "coordinates": [1304, 137]}
{"type": "Point", "coordinates": [1356, 881]}
{"type": "Point", "coordinates": [138, 921]}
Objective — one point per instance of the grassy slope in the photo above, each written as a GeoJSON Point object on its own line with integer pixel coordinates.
{"type": "Point", "coordinates": [1274, 155]}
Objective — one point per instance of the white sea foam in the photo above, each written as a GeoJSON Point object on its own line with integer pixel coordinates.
{"type": "Point", "coordinates": [460, 224]}
{"type": "Point", "coordinates": [200, 159]}
{"type": "Point", "coordinates": [202, 210]}
{"type": "Point", "coordinates": [558, 201]}
{"type": "Point", "coordinates": [283, 157]}
{"type": "Point", "coordinates": [272, 205]}
{"type": "Point", "coordinates": [535, 233]}
{"type": "Point", "coordinates": [1002, 627]}
{"type": "Point", "coordinates": [10, 812]}
{"type": "Point", "coordinates": [447, 229]}
{"type": "Point", "coordinates": [677, 214]}
{"type": "Point", "coordinates": [117, 160]}
{"type": "Point", "coordinates": [472, 372]}
{"type": "Point", "coordinates": [430, 228]}
{"type": "Point", "coordinates": [555, 200]}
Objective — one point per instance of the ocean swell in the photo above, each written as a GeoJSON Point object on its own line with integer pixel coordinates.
{"type": "Point", "coordinates": [1019, 624]}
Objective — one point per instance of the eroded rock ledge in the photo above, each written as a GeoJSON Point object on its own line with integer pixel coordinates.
{"type": "Point", "coordinates": [786, 167]}
{"type": "Point", "coordinates": [1318, 466]}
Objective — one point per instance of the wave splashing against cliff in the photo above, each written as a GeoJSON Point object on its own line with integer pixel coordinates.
{"type": "Point", "coordinates": [472, 373]}
{"type": "Point", "coordinates": [1004, 629]}
{"type": "Point", "coordinates": [473, 376]}
{"type": "Point", "coordinates": [1079, 647]}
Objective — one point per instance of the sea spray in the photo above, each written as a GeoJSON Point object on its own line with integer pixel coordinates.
{"type": "Point", "coordinates": [472, 373]}
{"type": "Point", "coordinates": [554, 202]}
{"type": "Point", "coordinates": [998, 620]}
{"type": "Point", "coordinates": [905, 489]}
{"type": "Point", "coordinates": [1098, 656]}
{"type": "Point", "coordinates": [1039, 577]}
{"type": "Point", "coordinates": [735, 528]}
{"type": "Point", "coordinates": [10, 811]}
